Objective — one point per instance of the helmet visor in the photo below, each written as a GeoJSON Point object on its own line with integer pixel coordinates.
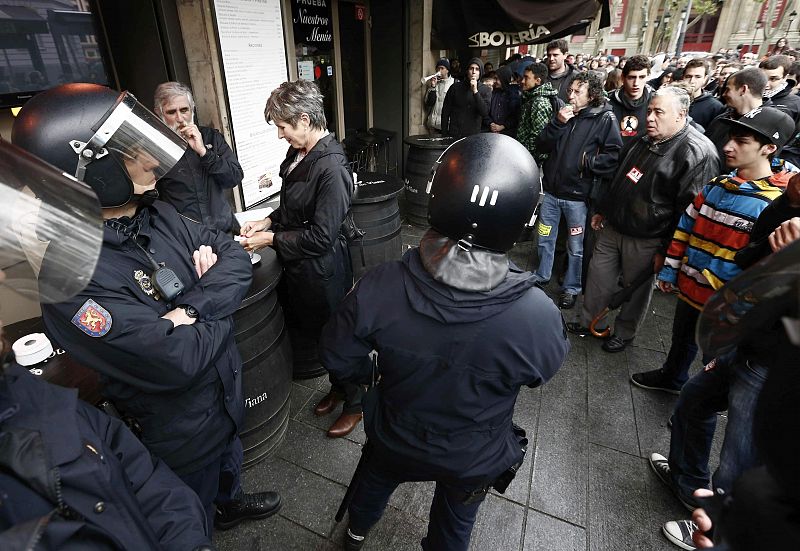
{"type": "Point", "coordinates": [51, 229]}
{"type": "Point", "coordinates": [139, 141]}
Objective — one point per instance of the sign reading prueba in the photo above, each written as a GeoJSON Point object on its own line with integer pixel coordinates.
{"type": "Point", "coordinates": [312, 23]}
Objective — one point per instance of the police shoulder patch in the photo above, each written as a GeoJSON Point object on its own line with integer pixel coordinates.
{"type": "Point", "coordinates": [92, 319]}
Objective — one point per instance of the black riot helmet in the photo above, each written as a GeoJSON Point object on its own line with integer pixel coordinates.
{"type": "Point", "coordinates": [484, 191]}
{"type": "Point", "coordinates": [104, 138]}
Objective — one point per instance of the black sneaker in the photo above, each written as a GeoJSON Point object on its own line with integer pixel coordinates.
{"type": "Point", "coordinates": [660, 466]}
{"type": "Point", "coordinates": [352, 541]}
{"type": "Point", "coordinates": [680, 533]}
{"type": "Point", "coordinates": [655, 380]}
{"type": "Point", "coordinates": [247, 506]}
{"type": "Point", "coordinates": [576, 328]}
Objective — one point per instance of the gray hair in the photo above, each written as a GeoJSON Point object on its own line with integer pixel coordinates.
{"type": "Point", "coordinates": [290, 100]}
{"type": "Point", "coordinates": [678, 95]}
{"type": "Point", "coordinates": [168, 90]}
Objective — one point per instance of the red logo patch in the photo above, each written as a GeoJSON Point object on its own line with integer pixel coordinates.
{"type": "Point", "coordinates": [634, 175]}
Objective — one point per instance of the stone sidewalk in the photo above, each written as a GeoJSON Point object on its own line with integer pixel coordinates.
{"type": "Point", "coordinates": [585, 484]}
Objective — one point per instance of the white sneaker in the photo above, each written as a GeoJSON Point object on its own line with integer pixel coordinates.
{"type": "Point", "coordinates": [680, 533]}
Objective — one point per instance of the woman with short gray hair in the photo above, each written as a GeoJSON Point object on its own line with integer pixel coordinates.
{"type": "Point", "coordinates": [305, 231]}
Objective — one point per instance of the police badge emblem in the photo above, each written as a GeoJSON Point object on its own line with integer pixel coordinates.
{"type": "Point", "coordinates": [146, 284]}
{"type": "Point", "coordinates": [92, 319]}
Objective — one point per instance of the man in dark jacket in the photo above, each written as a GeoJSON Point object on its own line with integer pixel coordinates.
{"type": "Point", "coordinates": [629, 103]}
{"type": "Point", "coordinates": [658, 176]}
{"type": "Point", "coordinates": [780, 90]}
{"type": "Point", "coordinates": [505, 104]}
{"type": "Point", "coordinates": [560, 72]}
{"type": "Point", "coordinates": [71, 477]}
{"type": "Point", "coordinates": [583, 144]}
{"type": "Point", "coordinates": [442, 409]}
{"type": "Point", "coordinates": [705, 107]}
{"type": "Point", "coordinates": [466, 103]}
{"type": "Point", "coordinates": [156, 319]}
{"type": "Point", "coordinates": [743, 92]}
{"type": "Point", "coordinates": [198, 185]}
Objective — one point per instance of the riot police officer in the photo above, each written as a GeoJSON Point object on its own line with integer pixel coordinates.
{"type": "Point", "coordinates": [71, 477]}
{"type": "Point", "coordinates": [458, 330]}
{"type": "Point", "coordinates": [156, 318]}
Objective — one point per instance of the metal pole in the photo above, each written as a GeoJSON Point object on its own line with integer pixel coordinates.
{"type": "Point", "coordinates": [687, 15]}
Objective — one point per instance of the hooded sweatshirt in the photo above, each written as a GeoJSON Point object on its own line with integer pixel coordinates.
{"type": "Point", "coordinates": [705, 108]}
{"type": "Point", "coordinates": [463, 111]}
{"type": "Point", "coordinates": [535, 113]}
{"type": "Point", "coordinates": [451, 364]}
{"type": "Point", "coordinates": [631, 114]}
{"type": "Point", "coordinates": [560, 83]}
{"type": "Point", "coordinates": [505, 102]}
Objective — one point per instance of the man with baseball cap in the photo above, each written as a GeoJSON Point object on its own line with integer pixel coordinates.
{"type": "Point", "coordinates": [700, 260]}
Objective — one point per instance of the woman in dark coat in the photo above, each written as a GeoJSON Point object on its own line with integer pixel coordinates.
{"type": "Point", "coordinates": [305, 230]}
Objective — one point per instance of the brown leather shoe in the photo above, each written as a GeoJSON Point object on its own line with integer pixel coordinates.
{"type": "Point", "coordinates": [328, 404]}
{"type": "Point", "coordinates": [345, 424]}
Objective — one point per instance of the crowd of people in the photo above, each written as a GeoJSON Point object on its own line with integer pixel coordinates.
{"type": "Point", "coordinates": [673, 174]}
{"type": "Point", "coordinates": [658, 172]}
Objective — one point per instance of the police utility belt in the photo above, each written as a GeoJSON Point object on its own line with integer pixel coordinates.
{"type": "Point", "coordinates": [502, 482]}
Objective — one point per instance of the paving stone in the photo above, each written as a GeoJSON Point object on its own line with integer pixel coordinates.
{"type": "Point", "coordinates": [321, 383]}
{"type": "Point", "coordinates": [652, 408]}
{"type": "Point", "coordinates": [309, 500]}
{"type": "Point", "coordinates": [271, 534]}
{"type": "Point", "coordinates": [560, 458]}
{"type": "Point", "coordinates": [611, 418]}
{"type": "Point", "coordinates": [526, 414]}
{"type": "Point", "coordinates": [618, 501]}
{"type": "Point", "coordinates": [308, 446]}
{"type": "Point", "coordinates": [499, 525]}
{"type": "Point", "coordinates": [545, 533]}
{"type": "Point", "coordinates": [651, 336]}
{"type": "Point", "coordinates": [396, 531]}
{"type": "Point", "coordinates": [299, 399]}
{"type": "Point", "coordinates": [307, 416]}
{"type": "Point", "coordinates": [663, 305]}
{"type": "Point", "coordinates": [413, 498]}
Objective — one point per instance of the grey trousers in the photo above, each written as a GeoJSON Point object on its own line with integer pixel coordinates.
{"type": "Point", "coordinates": [616, 254]}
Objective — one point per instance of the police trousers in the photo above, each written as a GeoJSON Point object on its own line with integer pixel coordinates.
{"type": "Point", "coordinates": [451, 520]}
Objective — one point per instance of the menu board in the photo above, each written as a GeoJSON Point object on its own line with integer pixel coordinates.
{"type": "Point", "coordinates": [254, 62]}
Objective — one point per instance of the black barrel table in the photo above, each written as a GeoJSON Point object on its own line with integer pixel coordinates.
{"type": "Point", "coordinates": [263, 342]}
{"type": "Point", "coordinates": [60, 368]}
{"type": "Point", "coordinates": [423, 152]}
{"type": "Point", "coordinates": [376, 211]}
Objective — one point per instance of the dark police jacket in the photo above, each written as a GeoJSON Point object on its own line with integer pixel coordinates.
{"type": "Point", "coordinates": [58, 451]}
{"type": "Point", "coordinates": [197, 186]}
{"type": "Point", "coordinates": [451, 364]}
{"type": "Point", "coordinates": [183, 384]}
{"type": "Point", "coordinates": [314, 199]}
{"type": "Point", "coordinates": [656, 181]}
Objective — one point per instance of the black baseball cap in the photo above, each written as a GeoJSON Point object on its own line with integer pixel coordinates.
{"type": "Point", "coordinates": [773, 124]}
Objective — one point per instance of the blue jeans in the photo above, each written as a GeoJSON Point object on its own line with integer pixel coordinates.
{"type": "Point", "coordinates": [734, 384]}
{"type": "Point", "coordinates": [684, 348]}
{"type": "Point", "coordinates": [547, 227]}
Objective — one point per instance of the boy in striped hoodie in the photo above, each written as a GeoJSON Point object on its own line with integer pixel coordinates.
{"type": "Point", "coordinates": [714, 227]}
{"type": "Point", "coordinates": [700, 260]}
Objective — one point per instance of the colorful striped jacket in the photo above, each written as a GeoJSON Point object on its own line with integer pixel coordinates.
{"type": "Point", "coordinates": [714, 227]}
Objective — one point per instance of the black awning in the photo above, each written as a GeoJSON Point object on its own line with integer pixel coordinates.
{"type": "Point", "coordinates": [21, 20]}
{"type": "Point", "coordinates": [460, 24]}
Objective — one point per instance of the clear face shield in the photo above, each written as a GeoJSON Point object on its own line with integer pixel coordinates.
{"type": "Point", "coordinates": [51, 229]}
{"type": "Point", "coordinates": [753, 301]}
{"type": "Point", "coordinates": [137, 140]}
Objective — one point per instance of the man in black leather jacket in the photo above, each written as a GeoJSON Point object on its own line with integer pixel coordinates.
{"type": "Point", "coordinates": [658, 176]}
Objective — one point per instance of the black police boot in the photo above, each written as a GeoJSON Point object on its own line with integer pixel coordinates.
{"type": "Point", "coordinates": [353, 541]}
{"type": "Point", "coordinates": [247, 506]}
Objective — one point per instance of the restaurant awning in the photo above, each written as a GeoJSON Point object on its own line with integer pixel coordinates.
{"type": "Point", "coordinates": [482, 24]}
